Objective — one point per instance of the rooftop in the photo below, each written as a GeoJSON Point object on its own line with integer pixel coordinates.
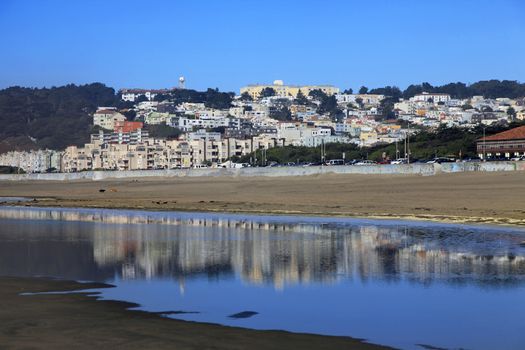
{"type": "Point", "coordinates": [512, 134]}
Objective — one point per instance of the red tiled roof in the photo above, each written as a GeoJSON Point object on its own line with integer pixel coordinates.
{"type": "Point", "coordinates": [512, 134]}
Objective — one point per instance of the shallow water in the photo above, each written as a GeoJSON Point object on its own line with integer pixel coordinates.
{"type": "Point", "coordinates": [391, 282]}
{"type": "Point", "coordinates": [14, 199]}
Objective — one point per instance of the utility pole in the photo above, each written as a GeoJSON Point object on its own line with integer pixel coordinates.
{"type": "Point", "coordinates": [228, 152]}
{"type": "Point", "coordinates": [408, 144]}
{"type": "Point", "coordinates": [322, 152]}
{"type": "Point", "coordinates": [405, 145]}
{"type": "Point", "coordinates": [484, 145]}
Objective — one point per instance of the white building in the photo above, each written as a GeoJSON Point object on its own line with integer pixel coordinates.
{"type": "Point", "coordinates": [133, 94]}
{"type": "Point", "coordinates": [365, 99]}
{"type": "Point", "coordinates": [431, 97]}
{"type": "Point", "coordinates": [33, 161]}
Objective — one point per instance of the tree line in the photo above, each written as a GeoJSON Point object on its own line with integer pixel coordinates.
{"type": "Point", "coordinates": [486, 88]}
{"type": "Point", "coordinates": [212, 98]}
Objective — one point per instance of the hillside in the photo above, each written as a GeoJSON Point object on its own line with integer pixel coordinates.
{"type": "Point", "coordinates": [50, 117]}
{"type": "Point", "coordinates": [424, 145]}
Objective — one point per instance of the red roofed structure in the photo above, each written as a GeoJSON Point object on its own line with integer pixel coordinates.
{"type": "Point", "coordinates": [126, 126]}
{"type": "Point", "coordinates": [510, 143]}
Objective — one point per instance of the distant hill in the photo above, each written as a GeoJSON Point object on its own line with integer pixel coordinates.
{"type": "Point", "coordinates": [53, 118]}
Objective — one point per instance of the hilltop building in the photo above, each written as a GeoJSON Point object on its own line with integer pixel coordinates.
{"type": "Point", "coordinates": [431, 97]}
{"type": "Point", "coordinates": [132, 94]}
{"type": "Point", "coordinates": [282, 90]}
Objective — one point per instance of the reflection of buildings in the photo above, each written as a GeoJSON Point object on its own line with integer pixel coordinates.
{"type": "Point", "coordinates": [281, 253]}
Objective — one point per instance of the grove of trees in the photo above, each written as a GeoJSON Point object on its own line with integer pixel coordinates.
{"type": "Point", "coordinates": [50, 117]}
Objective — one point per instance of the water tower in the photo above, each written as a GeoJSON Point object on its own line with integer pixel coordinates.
{"type": "Point", "coordinates": [182, 82]}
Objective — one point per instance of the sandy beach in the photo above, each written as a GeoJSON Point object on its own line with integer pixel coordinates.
{"type": "Point", "coordinates": [79, 321]}
{"type": "Point", "coordinates": [496, 198]}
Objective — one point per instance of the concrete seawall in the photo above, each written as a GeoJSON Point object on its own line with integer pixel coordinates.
{"type": "Point", "coordinates": [403, 169]}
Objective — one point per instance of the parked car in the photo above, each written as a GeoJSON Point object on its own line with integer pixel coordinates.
{"type": "Point", "coordinates": [366, 162]}
{"type": "Point", "coordinates": [497, 159]}
{"type": "Point", "coordinates": [440, 160]}
{"type": "Point", "coordinates": [400, 161]}
{"type": "Point", "coordinates": [336, 162]}
{"type": "Point", "coordinates": [471, 159]}
{"type": "Point", "coordinates": [352, 162]}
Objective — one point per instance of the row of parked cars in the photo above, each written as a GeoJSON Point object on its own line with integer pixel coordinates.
{"type": "Point", "coordinates": [362, 162]}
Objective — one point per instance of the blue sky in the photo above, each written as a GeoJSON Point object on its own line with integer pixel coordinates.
{"type": "Point", "coordinates": [228, 44]}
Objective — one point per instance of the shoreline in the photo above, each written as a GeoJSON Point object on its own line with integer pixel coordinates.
{"type": "Point", "coordinates": [430, 219]}
{"type": "Point", "coordinates": [79, 319]}
{"type": "Point", "coordinates": [461, 198]}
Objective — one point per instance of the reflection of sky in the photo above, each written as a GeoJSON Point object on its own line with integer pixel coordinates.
{"type": "Point", "coordinates": [397, 314]}
{"type": "Point", "coordinates": [392, 282]}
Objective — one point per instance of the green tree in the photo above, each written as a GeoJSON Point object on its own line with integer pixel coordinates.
{"type": "Point", "coordinates": [51, 118]}
{"type": "Point", "coordinates": [363, 90]}
{"type": "Point", "coordinates": [318, 95]}
{"type": "Point", "coordinates": [245, 96]}
{"type": "Point", "coordinates": [390, 91]}
{"type": "Point", "coordinates": [328, 105]}
{"type": "Point", "coordinates": [141, 98]}
{"type": "Point", "coordinates": [511, 112]}
{"type": "Point", "coordinates": [164, 131]}
{"type": "Point", "coordinates": [267, 92]}
{"type": "Point", "coordinates": [301, 99]}
{"type": "Point", "coordinates": [218, 100]}
{"type": "Point", "coordinates": [282, 114]}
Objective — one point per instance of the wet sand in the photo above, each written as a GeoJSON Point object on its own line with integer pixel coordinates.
{"type": "Point", "coordinates": [79, 321]}
{"type": "Point", "coordinates": [496, 198]}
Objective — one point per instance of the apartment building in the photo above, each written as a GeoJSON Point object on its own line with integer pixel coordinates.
{"type": "Point", "coordinates": [285, 91]}
{"type": "Point", "coordinates": [151, 153]}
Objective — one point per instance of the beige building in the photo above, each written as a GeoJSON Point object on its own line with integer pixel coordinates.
{"type": "Point", "coordinates": [153, 153]}
{"type": "Point", "coordinates": [106, 118]}
{"type": "Point", "coordinates": [282, 90]}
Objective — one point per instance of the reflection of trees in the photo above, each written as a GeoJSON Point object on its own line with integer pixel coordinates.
{"type": "Point", "coordinates": [146, 245]}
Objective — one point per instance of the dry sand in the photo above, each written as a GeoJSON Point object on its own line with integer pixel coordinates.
{"type": "Point", "coordinates": [77, 321]}
{"type": "Point", "coordinates": [476, 197]}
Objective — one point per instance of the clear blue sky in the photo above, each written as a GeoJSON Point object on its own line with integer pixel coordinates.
{"type": "Point", "coordinates": [228, 44]}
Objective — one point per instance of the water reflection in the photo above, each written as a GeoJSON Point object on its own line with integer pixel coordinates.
{"type": "Point", "coordinates": [99, 244]}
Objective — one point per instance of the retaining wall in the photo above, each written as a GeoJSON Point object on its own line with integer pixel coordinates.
{"type": "Point", "coordinates": [401, 169]}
